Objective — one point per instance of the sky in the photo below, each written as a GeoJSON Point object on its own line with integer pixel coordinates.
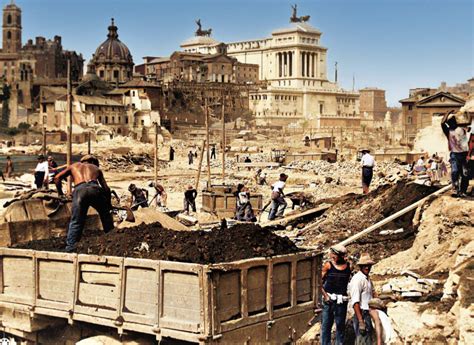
{"type": "Point", "coordinates": [390, 44]}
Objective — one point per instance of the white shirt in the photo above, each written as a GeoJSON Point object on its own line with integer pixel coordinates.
{"type": "Point", "coordinates": [420, 162]}
{"type": "Point", "coordinates": [43, 166]}
{"type": "Point", "coordinates": [279, 185]}
{"type": "Point", "coordinates": [360, 290]}
{"type": "Point", "coordinates": [368, 160]}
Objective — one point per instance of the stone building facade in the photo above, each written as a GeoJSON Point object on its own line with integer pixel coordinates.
{"type": "Point", "coordinates": [293, 68]}
{"type": "Point", "coordinates": [112, 60]}
{"type": "Point", "coordinates": [26, 67]}
{"type": "Point", "coordinates": [419, 109]}
{"type": "Point", "coordinates": [198, 67]}
{"type": "Point", "coordinates": [373, 103]}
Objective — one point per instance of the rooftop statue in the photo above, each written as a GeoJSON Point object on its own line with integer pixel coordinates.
{"type": "Point", "coordinates": [294, 17]}
{"type": "Point", "coordinates": [200, 31]}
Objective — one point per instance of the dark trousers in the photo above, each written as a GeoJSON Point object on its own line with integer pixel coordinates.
{"type": "Point", "coordinates": [39, 179]}
{"type": "Point", "coordinates": [188, 203]}
{"type": "Point", "coordinates": [367, 338]}
{"type": "Point", "coordinates": [333, 312]}
{"type": "Point", "coordinates": [84, 196]}
{"type": "Point", "coordinates": [367, 174]}
{"type": "Point", "coordinates": [459, 172]}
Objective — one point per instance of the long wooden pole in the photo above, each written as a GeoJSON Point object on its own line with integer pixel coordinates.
{"type": "Point", "coordinates": [208, 158]}
{"type": "Point", "coordinates": [69, 124]}
{"type": "Point", "coordinates": [394, 216]}
{"type": "Point", "coordinates": [156, 153]}
{"type": "Point", "coordinates": [89, 142]}
{"type": "Point", "coordinates": [44, 141]}
{"type": "Point", "coordinates": [201, 156]}
{"type": "Point", "coordinates": [223, 138]}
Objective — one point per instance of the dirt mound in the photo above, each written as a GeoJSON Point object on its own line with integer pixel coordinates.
{"type": "Point", "coordinates": [357, 212]}
{"type": "Point", "coordinates": [151, 241]}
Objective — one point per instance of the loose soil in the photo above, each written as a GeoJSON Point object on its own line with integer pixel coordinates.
{"type": "Point", "coordinates": [354, 213]}
{"type": "Point", "coordinates": [151, 241]}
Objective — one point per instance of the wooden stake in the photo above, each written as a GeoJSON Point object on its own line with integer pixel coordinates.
{"type": "Point", "coordinates": [223, 139]}
{"type": "Point", "coordinates": [156, 152]}
{"type": "Point", "coordinates": [69, 124]}
{"type": "Point", "coordinates": [201, 156]}
{"type": "Point", "coordinates": [44, 141]}
{"type": "Point", "coordinates": [89, 142]}
{"type": "Point", "coordinates": [208, 158]}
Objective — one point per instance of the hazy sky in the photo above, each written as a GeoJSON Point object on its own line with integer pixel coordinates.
{"type": "Point", "coordinates": [390, 44]}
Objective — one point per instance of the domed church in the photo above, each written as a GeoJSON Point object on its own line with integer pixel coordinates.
{"type": "Point", "coordinates": [112, 60]}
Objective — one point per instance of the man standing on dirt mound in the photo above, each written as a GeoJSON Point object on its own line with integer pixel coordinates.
{"type": "Point", "coordinates": [90, 189]}
{"type": "Point", "coordinates": [368, 163]}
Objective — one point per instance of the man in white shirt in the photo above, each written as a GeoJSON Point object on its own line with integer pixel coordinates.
{"type": "Point", "coordinates": [41, 172]}
{"type": "Point", "coordinates": [368, 163]}
{"type": "Point", "coordinates": [361, 292]}
{"type": "Point", "coordinates": [278, 198]}
{"type": "Point", "coordinates": [458, 144]}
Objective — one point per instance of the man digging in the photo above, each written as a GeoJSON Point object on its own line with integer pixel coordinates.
{"type": "Point", "coordinates": [90, 189]}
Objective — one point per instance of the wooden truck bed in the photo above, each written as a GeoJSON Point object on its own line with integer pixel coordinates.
{"type": "Point", "coordinates": [260, 300]}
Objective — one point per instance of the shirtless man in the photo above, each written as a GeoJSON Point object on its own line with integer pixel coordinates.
{"type": "Point", "coordinates": [90, 189]}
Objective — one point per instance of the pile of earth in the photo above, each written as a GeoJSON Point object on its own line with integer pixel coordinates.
{"type": "Point", "coordinates": [151, 241]}
{"type": "Point", "coordinates": [354, 213]}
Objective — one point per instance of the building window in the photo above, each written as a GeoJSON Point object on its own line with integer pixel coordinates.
{"type": "Point", "coordinates": [409, 120]}
{"type": "Point", "coordinates": [321, 108]}
{"type": "Point", "coordinates": [9, 19]}
{"type": "Point", "coordinates": [116, 74]}
{"type": "Point", "coordinates": [100, 119]}
{"type": "Point", "coordinates": [101, 73]}
{"type": "Point", "coordinates": [410, 107]}
{"type": "Point", "coordinates": [9, 35]}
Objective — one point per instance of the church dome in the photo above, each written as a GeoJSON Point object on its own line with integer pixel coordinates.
{"type": "Point", "coordinates": [113, 50]}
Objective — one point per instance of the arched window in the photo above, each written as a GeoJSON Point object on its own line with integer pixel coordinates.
{"type": "Point", "coordinates": [9, 19]}
{"type": "Point", "coordinates": [9, 35]}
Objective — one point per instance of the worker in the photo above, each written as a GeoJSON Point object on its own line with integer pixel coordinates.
{"type": "Point", "coordinates": [41, 172]}
{"type": "Point", "coordinates": [139, 197]}
{"type": "Point", "coordinates": [381, 322]}
{"type": "Point", "coordinates": [367, 162]}
{"type": "Point", "coordinates": [244, 211]}
{"type": "Point", "coordinates": [172, 151]}
{"type": "Point", "coordinates": [190, 199]}
{"type": "Point", "coordinates": [361, 292]}
{"type": "Point", "coordinates": [278, 198]}
{"type": "Point", "coordinates": [190, 157]}
{"type": "Point", "coordinates": [420, 166]}
{"type": "Point", "coordinates": [160, 195]}
{"type": "Point", "coordinates": [9, 168]}
{"type": "Point", "coordinates": [336, 274]}
{"type": "Point", "coordinates": [458, 145]}
{"type": "Point", "coordinates": [90, 189]}
{"type": "Point", "coordinates": [213, 152]}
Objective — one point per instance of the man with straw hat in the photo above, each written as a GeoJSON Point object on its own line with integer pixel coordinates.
{"type": "Point", "coordinates": [361, 292]}
{"type": "Point", "coordinates": [335, 276]}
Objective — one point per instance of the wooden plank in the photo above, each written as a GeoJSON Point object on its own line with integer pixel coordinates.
{"type": "Point", "coordinates": [181, 301]}
{"type": "Point", "coordinates": [55, 280]}
{"type": "Point", "coordinates": [100, 296]}
{"type": "Point", "coordinates": [256, 289]}
{"type": "Point", "coordinates": [100, 268]}
{"type": "Point", "coordinates": [100, 278]}
{"type": "Point", "coordinates": [287, 219]}
{"type": "Point", "coordinates": [17, 277]}
{"type": "Point", "coordinates": [228, 296]}
{"type": "Point", "coordinates": [281, 284]}
{"type": "Point", "coordinates": [304, 269]}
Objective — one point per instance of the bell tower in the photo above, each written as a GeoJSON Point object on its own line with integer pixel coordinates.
{"type": "Point", "coordinates": [11, 28]}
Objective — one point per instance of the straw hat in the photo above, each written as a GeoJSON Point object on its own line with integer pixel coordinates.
{"type": "Point", "coordinates": [339, 249]}
{"type": "Point", "coordinates": [365, 150]}
{"type": "Point", "coordinates": [365, 259]}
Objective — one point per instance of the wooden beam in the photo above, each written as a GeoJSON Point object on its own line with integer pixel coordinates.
{"type": "Point", "coordinates": [287, 219]}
